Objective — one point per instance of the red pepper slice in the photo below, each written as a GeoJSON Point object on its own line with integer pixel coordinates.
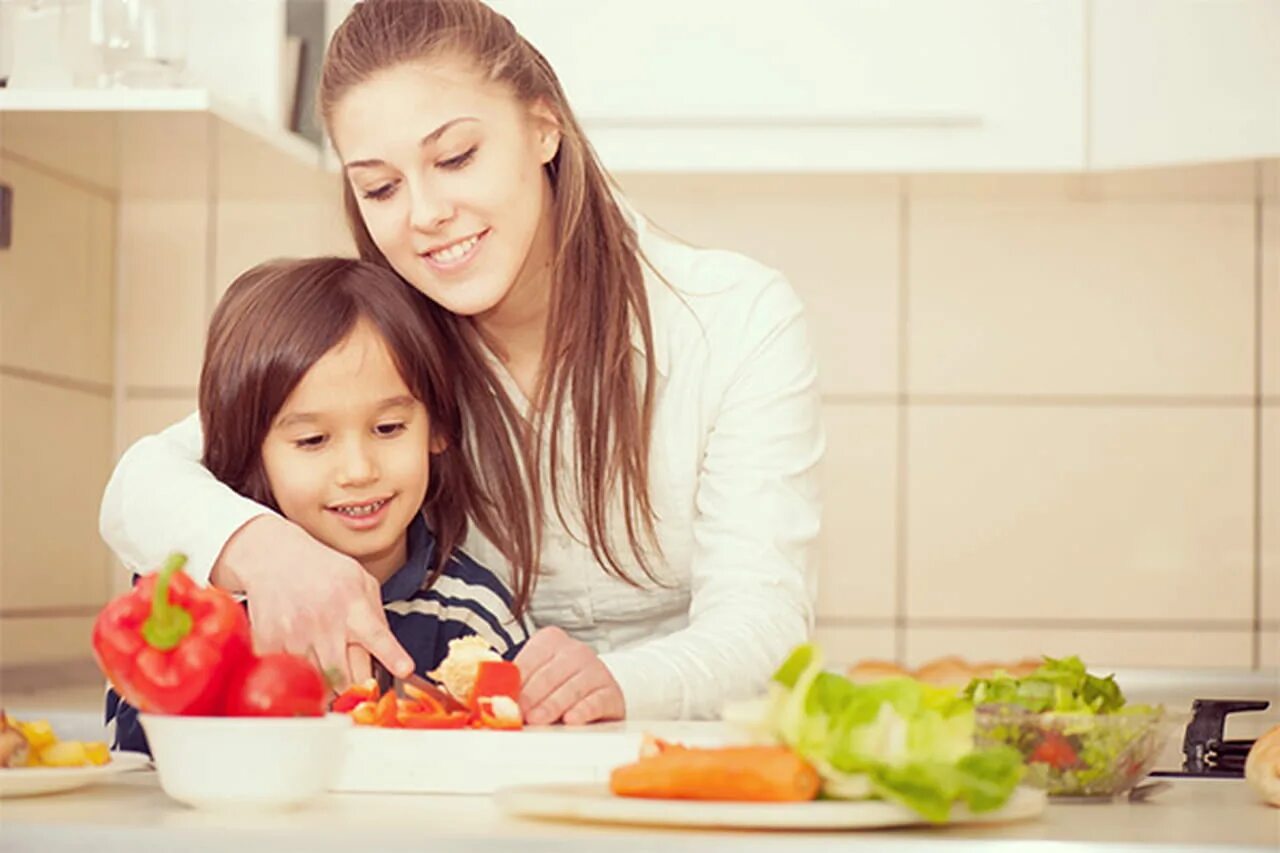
{"type": "Point", "coordinates": [364, 714]}
{"type": "Point", "coordinates": [384, 712]}
{"type": "Point", "coordinates": [169, 646]}
{"type": "Point", "coordinates": [354, 695]}
{"type": "Point", "coordinates": [495, 678]}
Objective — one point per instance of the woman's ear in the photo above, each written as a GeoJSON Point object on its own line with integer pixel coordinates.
{"type": "Point", "coordinates": [438, 444]}
{"type": "Point", "coordinates": [546, 128]}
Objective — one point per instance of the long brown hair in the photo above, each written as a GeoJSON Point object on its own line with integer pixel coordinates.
{"type": "Point", "coordinates": [598, 298]}
{"type": "Point", "coordinates": [276, 321]}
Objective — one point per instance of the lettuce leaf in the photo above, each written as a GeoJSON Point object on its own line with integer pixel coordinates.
{"type": "Point", "coordinates": [1061, 685]}
{"type": "Point", "coordinates": [897, 739]}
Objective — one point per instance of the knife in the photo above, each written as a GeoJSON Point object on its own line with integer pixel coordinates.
{"type": "Point", "coordinates": [386, 681]}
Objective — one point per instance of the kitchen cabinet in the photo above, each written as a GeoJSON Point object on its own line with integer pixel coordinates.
{"type": "Point", "coordinates": [916, 85]}
{"type": "Point", "coordinates": [1183, 81]}
{"type": "Point", "coordinates": [832, 85]}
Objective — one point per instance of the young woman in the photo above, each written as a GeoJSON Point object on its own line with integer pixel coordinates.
{"type": "Point", "coordinates": [325, 397]}
{"type": "Point", "coordinates": [650, 410]}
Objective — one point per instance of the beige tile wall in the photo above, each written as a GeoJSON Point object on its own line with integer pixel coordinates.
{"type": "Point", "coordinates": [1039, 391]}
{"type": "Point", "coordinates": [1040, 397]}
{"type": "Point", "coordinates": [56, 380]}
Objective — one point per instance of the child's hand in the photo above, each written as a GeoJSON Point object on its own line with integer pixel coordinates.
{"type": "Point", "coordinates": [309, 600]}
{"type": "Point", "coordinates": [565, 680]}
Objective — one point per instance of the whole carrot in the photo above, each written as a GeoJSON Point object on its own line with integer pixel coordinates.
{"type": "Point", "coordinates": [754, 773]}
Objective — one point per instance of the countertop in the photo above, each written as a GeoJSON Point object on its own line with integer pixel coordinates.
{"type": "Point", "coordinates": [131, 813]}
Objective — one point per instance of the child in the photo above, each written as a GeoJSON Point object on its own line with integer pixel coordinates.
{"type": "Point", "coordinates": [325, 396]}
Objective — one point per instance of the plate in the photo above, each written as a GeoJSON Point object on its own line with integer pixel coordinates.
{"type": "Point", "coordinates": [594, 803]}
{"type": "Point", "coordinates": [29, 781]}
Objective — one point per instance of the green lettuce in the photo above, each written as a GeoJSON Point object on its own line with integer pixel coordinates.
{"type": "Point", "coordinates": [1060, 685]}
{"type": "Point", "coordinates": [897, 739]}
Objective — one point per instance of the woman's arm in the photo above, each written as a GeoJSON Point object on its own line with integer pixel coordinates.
{"type": "Point", "coordinates": [304, 597]}
{"type": "Point", "coordinates": [758, 513]}
{"type": "Point", "coordinates": [161, 499]}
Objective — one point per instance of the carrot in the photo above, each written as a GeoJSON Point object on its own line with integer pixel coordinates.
{"type": "Point", "coordinates": [756, 773]}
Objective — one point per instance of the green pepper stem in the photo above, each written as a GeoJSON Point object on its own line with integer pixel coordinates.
{"type": "Point", "coordinates": [168, 623]}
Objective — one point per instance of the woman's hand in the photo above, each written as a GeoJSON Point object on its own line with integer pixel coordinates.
{"type": "Point", "coordinates": [308, 599]}
{"type": "Point", "coordinates": [565, 680]}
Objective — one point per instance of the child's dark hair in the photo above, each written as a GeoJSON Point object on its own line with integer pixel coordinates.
{"type": "Point", "coordinates": [276, 321]}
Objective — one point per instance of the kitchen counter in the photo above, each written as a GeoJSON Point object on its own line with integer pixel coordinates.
{"type": "Point", "coordinates": [131, 813]}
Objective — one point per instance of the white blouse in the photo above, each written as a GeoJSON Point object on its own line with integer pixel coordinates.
{"type": "Point", "coordinates": [737, 438]}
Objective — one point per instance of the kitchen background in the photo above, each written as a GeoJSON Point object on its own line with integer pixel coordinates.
{"type": "Point", "coordinates": [1039, 244]}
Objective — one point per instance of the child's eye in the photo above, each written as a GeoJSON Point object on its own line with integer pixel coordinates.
{"type": "Point", "coordinates": [461, 160]}
{"type": "Point", "coordinates": [380, 193]}
{"type": "Point", "coordinates": [309, 442]}
{"type": "Point", "coordinates": [389, 428]}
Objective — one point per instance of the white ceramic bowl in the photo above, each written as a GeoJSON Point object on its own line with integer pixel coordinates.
{"type": "Point", "coordinates": [246, 763]}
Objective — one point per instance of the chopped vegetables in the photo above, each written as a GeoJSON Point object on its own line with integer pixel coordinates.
{"type": "Point", "coordinates": [34, 744]}
{"type": "Point", "coordinates": [492, 696]}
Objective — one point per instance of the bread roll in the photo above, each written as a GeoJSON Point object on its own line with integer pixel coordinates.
{"type": "Point", "coordinates": [945, 672]}
{"type": "Point", "coordinates": [867, 671]}
{"type": "Point", "coordinates": [1262, 767]}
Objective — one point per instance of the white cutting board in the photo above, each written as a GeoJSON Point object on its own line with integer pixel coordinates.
{"type": "Point", "coordinates": [475, 761]}
{"type": "Point", "coordinates": [595, 804]}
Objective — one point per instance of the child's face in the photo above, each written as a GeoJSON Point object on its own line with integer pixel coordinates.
{"type": "Point", "coordinates": [347, 457]}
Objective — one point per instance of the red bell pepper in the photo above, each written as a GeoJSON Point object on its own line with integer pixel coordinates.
{"type": "Point", "coordinates": [495, 696]}
{"type": "Point", "coordinates": [169, 646]}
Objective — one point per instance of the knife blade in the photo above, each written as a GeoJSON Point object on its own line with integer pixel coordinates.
{"type": "Point", "coordinates": [446, 700]}
{"type": "Point", "coordinates": [386, 681]}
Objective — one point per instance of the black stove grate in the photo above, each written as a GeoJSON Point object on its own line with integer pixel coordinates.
{"type": "Point", "coordinates": [1204, 751]}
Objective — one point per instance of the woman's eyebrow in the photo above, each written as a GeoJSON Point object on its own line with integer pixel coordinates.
{"type": "Point", "coordinates": [431, 137]}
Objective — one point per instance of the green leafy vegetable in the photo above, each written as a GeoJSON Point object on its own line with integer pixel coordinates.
{"type": "Point", "coordinates": [897, 739]}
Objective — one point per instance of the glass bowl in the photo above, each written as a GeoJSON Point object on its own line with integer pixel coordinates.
{"type": "Point", "coordinates": [1078, 755]}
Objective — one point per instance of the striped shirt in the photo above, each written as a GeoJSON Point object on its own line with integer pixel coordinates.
{"type": "Point", "coordinates": [466, 600]}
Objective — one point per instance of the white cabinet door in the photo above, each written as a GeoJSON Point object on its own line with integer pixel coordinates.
{"type": "Point", "coordinates": [891, 85]}
{"type": "Point", "coordinates": [1184, 81]}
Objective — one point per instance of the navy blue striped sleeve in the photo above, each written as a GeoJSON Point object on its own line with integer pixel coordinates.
{"type": "Point", "coordinates": [466, 600]}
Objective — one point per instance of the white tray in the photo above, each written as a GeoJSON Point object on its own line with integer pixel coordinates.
{"type": "Point", "coordinates": [475, 761]}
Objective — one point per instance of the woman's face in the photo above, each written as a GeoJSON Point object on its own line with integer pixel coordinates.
{"type": "Point", "coordinates": [447, 169]}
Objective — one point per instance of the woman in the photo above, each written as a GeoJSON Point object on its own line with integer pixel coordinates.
{"type": "Point", "coordinates": [648, 411]}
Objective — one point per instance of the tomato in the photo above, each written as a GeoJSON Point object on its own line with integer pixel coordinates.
{"type": "Point", "coordinates": [276, 685]}
{"type": "Point", "coordinates": [1055, 751]}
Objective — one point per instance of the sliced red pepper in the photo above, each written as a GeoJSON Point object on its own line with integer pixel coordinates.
{"type": "Point", "coordinates": [365, 714]}
{"type": "Point", "coordinates": [170, 646]}
{"type": "Point", "coordinates": [485, 718]}
{"type": "Point", "coordinates": [384, 712]}
{"type": "Point", "coordinates": [495, 678]}
{"type": "Point", "coordinates": [351, 697]}
{"type": "Point", "coordinates": [427, 720]}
